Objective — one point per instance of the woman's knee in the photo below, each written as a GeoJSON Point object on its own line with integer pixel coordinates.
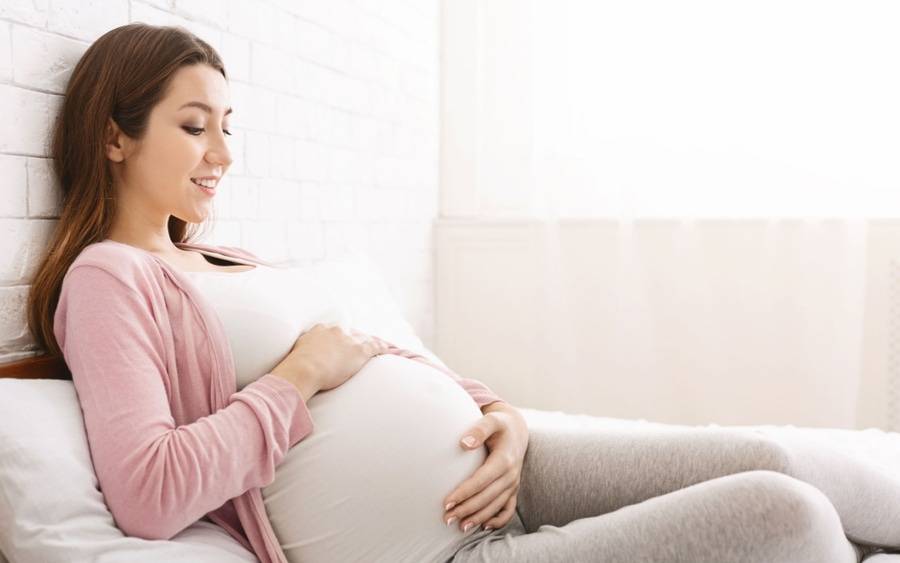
{"type": "Point", "coordinates": [798, 511]}
{"type": "Point", "coordinates": [760, 452]}
{"type": "Point", "coordinates": [798, 503]}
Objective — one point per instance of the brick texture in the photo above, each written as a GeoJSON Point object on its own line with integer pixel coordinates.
{"type": "Point", "coordinates": [335, 132]}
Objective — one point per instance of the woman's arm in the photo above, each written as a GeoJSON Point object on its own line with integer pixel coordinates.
{"type": "Point", "coordinates": [480, 393]}
{"type": "Point", "coordinates": [497, 406]}
{"type": "Point", "coordinates": [158, 477]}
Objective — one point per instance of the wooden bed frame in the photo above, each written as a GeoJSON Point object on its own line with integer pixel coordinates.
{"type": "Point", "coordinates": [44, 366]}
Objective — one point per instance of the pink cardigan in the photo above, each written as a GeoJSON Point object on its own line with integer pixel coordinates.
{"type": "Point", "coordinates": [171, 439]}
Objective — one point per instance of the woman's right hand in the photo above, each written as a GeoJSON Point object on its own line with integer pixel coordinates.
{"type": "Point", "coordinates": [330, 355]}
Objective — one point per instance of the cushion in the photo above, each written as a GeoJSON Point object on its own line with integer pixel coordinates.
{"type": "Point", "coordinates": [369, 305]}
{"type": "Point", "coordinates": [51, 508]}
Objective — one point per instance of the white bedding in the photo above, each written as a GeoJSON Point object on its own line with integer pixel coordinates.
{"type": "Point", "coordinates": [872, 444]}
{"type": "Point", "coordinates": [204, 542]}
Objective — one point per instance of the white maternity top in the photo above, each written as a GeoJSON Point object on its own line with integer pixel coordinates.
{"type": "Point", "coordinates": [367, 483]}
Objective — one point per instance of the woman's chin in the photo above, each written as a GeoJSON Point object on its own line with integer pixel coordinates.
{"type": "Point", "coordinates": [196, 216]}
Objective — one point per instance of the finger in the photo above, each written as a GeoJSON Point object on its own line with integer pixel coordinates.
{"type": "Point", "coordinates": [374, 346]}
{"type": "Point", "coordinates": [382, 342]}
{"type": "Point", "coordinates": [480, 500]}
{"type": "Point", "coordinates": [505, 515]}
{"type": "Point", "coordinates": [493, 467]}
{"type": "Point", "coordinates": [377, 342]}
{"type": "Point", "coordinates": [490, 509]}
{"type": "Point", "coordinates": [486, 427]}
{"type": "Point", "coordinates": [359, 333]}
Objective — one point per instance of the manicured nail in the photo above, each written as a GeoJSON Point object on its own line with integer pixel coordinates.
{"type": "Point", "coordinates": [488, 528]}
{"type": "Point", "coordinates": [451, 520]}
{"type": "Point", "coordinates": [449, 505]}
{"type": "Point", "coordinates": [467, 526]}
{"type": "Point", "coordinates": [469, 441]}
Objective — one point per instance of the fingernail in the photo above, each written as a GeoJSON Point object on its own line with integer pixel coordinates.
{"type": "Point", "coordinates": [451, 520]}
{"type": "Point", "coordinates": [449, 505]}
{"type": "Point", "coordinates": [467, 526]}
{"type": "Point", "coordinates": [488, 528]}
{"type": "Point", "coordinates": [469, 441]}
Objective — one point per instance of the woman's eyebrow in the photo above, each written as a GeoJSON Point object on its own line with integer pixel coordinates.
{"type": "Point", "coordinates": [202, 106]}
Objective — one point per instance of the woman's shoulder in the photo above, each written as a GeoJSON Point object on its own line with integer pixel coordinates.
{"type": "Point", "coordinates": [111, 254]}
{"type": "Point", "coordinates": [132, 266]}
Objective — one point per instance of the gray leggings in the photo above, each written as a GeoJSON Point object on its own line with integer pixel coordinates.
{"type": "Point", "coordinates": [695, 495]}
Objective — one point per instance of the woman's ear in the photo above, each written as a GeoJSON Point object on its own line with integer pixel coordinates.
{"type": "Point", "coordinates": [115, 142]}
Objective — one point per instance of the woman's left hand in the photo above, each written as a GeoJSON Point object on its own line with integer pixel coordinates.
{"type": "Point", "coordinates": [489, 496]}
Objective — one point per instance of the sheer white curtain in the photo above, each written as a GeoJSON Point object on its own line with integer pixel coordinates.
{"type": "Point", "coordinates": [702, 175]}
{"type": "Point", "coordinates": [703, 108]}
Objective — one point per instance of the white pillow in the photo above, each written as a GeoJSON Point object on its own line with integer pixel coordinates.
{"type": "Point", "coordinates": [51, 508]}
{"type": "Point", "coordinates": [367, 302]}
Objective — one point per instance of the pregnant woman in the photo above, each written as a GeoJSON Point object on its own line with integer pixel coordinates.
{"type": "Point", "coordinates": [216, 386]}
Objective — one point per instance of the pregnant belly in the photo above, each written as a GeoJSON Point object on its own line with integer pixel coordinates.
{"type": "Point", "coordinates": [367, 484]}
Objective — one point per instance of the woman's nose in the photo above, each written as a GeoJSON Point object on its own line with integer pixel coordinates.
{"type": "Point", "coordinates": [220, 154]}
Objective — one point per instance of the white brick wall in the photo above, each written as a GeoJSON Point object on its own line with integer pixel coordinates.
{"type": "Point", "coordinates": [335, 132]}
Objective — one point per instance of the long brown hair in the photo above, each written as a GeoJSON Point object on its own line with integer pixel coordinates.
{"type": "Point", "coordinates": [122, 76]}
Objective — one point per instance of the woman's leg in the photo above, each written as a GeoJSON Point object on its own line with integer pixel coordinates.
{"type": "Point", "coordinates": [625, 467]}
{"type": "Point", "coordinates": [866, 496]}
{"type": "Point", "coordinates": [574, 475]}
{"type": "Point", "coordinates": [749, 517]}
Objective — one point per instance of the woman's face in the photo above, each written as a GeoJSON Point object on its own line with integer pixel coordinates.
{"type": "Point", "coordinates": [182, 141]}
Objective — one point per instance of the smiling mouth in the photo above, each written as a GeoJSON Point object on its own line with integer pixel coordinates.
{"type": "Point", "coordinates": [208, 184]}
{"type": "Point", "coordinates": [206, 191]}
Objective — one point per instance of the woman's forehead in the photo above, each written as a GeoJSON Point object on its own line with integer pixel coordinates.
{"type": "Point", "coordinates": [200, 87]}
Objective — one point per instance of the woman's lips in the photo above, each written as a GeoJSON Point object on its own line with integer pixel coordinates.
{"type": "Point", "coordinates": [207, 191]}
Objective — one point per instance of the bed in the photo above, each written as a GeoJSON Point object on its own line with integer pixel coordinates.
{"type": "Point", "coordinates": [51, 508]}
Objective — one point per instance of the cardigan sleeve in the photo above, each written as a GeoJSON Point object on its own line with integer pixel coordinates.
{"type": "Point", "coordinates": [158, 477]}
{"type": "Point", "coordinates": [480, 393]}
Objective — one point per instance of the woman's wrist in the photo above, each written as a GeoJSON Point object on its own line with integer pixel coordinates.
{"type": "Point", "coordinates": [503, 406]}
{"type": "Point", "coordinates": [307, 385]}
{"type": "Point", "coordinates": [513, 418]}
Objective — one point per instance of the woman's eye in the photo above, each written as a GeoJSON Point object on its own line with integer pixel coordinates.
{"type": "Point", "coordinates": [198, 130]}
